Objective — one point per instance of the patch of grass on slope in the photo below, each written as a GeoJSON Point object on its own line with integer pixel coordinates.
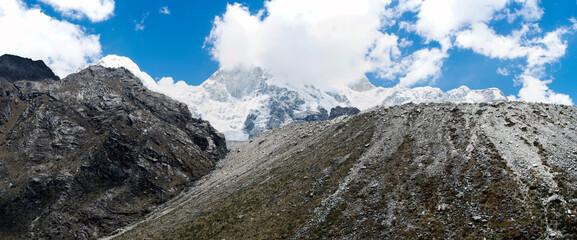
{"type": "Point", "coordinates": [280, 202]}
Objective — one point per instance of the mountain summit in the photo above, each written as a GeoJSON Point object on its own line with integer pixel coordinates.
{"type": "Point", "coordinates": [243, 103]}
{"type": "Point", "coordinates": [87, 154]}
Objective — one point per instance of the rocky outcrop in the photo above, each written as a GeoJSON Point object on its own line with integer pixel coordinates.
{"type": "Point", "coordinates": [82, 156]}
{"type": "Point", "coordinates": [343, 111]}
{"type": "Point", "coordinates": [282, 113]}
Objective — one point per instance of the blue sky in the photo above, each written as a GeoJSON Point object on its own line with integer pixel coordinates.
{"type": "Point", "coordinates": [169, 45]}
{"type": "Point", "coordinates": [416, 48]}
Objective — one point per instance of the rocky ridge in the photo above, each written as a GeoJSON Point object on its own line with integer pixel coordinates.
{"type": "Point", "coordinates": [433, 171]}
{"type": "Point", "coordinates": [82, 156]}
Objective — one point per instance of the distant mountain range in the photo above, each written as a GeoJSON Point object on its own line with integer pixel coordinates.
{"type": "Point", "coordinates": [243, 103]}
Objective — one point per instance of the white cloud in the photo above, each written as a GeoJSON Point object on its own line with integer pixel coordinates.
{"type": "Point", "coordinates": [439, 19]}
{"type": "Point", "coordinates": [547, 49]}
{"type": "Point", "coordinates": [385, 55]}
{"type": "Point", "coordinates": [419, 67]}
{"type": "Point", "coordinates": [234, 37]}
{"type": "Point", "coordinates": [422, 65]}
{"type": "Point", "coordinates": [535, 90]}
{"type": "Point", "coordinates": [29, 32]}
{"type": "Point", "coordinates": [301, 41]}
{"type": "Point", "coordinates": [164, 10]}
{"type": "Point", "coordinates": [408, 6]}
{"type": "Point", "coordinates": [178, 90]}
{"type": "Point", "coordinates": [512, 98]}
{"type": "Point", "coordinates": [537, 51]}
{"type": "Point", "coordinates": [94, 10]}
{"type": "Point", "coordinates": [483, 40]}
{"type": "Point", "coordinates": [326, 42]}
{"type": "Point", "coordinates": [530, 10]}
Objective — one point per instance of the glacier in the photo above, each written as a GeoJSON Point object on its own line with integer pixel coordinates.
{"type": "Point", "coordinates": [243, 103]}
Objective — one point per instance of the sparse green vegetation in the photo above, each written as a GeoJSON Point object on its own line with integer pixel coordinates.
{"type": "Point", "coordinates": [431, 175]}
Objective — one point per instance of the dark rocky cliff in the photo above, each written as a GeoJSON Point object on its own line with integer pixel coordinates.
{"type": "Point", "coordinates": [87, 154]}
{"type": "Point", "coordinates": [343, 111]}
{"type": "Point", "coordinates": [14, 68]}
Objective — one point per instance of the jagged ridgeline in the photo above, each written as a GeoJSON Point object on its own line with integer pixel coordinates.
{"type": "Point", "coordinates": [428, 171]}
{"type": "Point", "coordinates": [84, 155]}
{"type": "Point", "coordinates": [242, 103]}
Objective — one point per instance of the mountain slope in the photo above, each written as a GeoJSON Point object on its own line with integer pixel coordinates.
{"type": "Point", "coordinates": [430, 171]}
{"type": "Point", "coordinates": [243, 103]}
{"type": "Point", "coordinates": [94, 151]}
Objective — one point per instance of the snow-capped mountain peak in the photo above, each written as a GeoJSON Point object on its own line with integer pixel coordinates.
{"type": "Point", "coordinates": [115, 61]}
{"type": "Point", "coordinates": [243, 103]}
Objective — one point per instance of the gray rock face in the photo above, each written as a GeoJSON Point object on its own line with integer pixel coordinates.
{"type": "Point", "coordinates": [84, 155]}
{"type": "Point", "coordinates": [14, 68]}
{"type": "Point", "coordinates": [343, 111]}
{"type": "Point", "coordinates": [21, 71]}
{"type": "Point", "coordinates": [428, 171]}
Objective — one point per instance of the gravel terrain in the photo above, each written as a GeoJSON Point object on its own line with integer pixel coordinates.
{"type": "Point", "coordinates": [431, 171]}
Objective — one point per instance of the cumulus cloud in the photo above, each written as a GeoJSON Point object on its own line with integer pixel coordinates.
{"type": "Point", "coordinates": [419, 67]}
{"type": "Point", "coordinates": [439, 19]}
{"type": "Point", "coordinates": [483, 40]}
{"type": "Point", "coordinates": [234, 37]}
{"type": "Point", "coordinates": [302, 41]}
{"type": "Point", "coordinates": [422, 65]}
{"type": "Point", "coordinates": [537, 51]}
{"type": "Point", "coordinates": [328, 42]}
{"type": "Point", "coordinates": [465, 24]}
{"type": "Point", "coordinates": [536, 90]}
{"type": "Point", "coordinates": [385, 54]}
{"type": "Point", "coordinates": [178, 90]}
{"type": "Point", "coordinates": [29, 32]}
{"type": "Point", "coordinates": [94, 10]}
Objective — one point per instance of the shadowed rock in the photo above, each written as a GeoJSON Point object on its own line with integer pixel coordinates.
{"type": "Point", "coordinates": [92, 152]}
{"type": "Point", "coordinates": [14, 68]}
{"type": "Point", "coordinates": [343, 111]}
